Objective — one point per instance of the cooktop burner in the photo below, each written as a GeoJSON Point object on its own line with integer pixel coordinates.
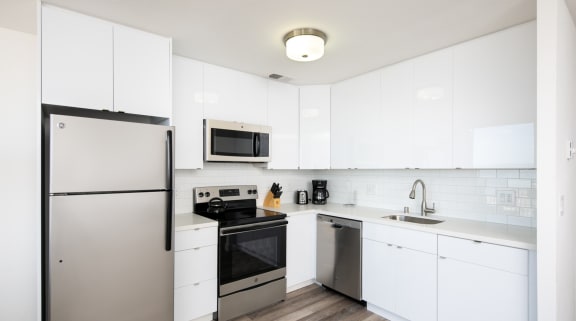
{"type": "Point", "coordinates": [231, 205]}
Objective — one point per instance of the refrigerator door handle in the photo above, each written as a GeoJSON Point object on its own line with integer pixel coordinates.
{"type": "Point", "coordinates": [170, 181]}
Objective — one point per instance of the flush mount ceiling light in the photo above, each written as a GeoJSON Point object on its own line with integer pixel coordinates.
{"type": "Point", "coordinates": [305, 44]}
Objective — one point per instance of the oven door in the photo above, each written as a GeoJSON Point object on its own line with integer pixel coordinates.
{"type": "Point", "coordinates": [251, 254]}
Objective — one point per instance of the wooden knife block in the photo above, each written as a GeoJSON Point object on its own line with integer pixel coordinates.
{"type": "Point", "coordinates": [270, 201]}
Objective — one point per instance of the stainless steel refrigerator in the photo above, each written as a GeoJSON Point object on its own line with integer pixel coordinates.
{"type": "Point", "coordinates": [107, 216]}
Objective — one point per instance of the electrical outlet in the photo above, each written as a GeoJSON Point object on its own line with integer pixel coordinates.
{"type": "Point", "coordinates": [570, 150]}
{"type": "Point", "coordinates": [506, 197]}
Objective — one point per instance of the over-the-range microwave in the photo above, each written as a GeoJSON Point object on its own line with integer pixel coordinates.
{"type": "Point", "coordinates": [226, 141]}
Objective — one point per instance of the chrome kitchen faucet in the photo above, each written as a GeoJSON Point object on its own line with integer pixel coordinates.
{"type": "Point", "coordinates": [424, 210]}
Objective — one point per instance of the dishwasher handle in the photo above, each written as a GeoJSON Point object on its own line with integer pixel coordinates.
{"type": "Point", "coordinates": [338, 226]}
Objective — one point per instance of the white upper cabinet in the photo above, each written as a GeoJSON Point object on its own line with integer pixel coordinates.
{"type": "Point", "coordinates": [431, 115]}
{"type": "Point", "coordinates": [495, 100]}
{"type": "Point", "coordinates": [77, 60]}
{"type": "Point", "coordinates": [142, 78]}
{"type": "Point", "coordinates": [187, 75]}
{"type": "Point", "coordinates": [395, 115]}
{"type": "Point", "coordinates": [355, 129]}
{"type": "Point", "coordinates": [283, 117]}
{"type": "Point", "coordinates": [314, 127]}
{"type": "Point", "coordinates": [91, 63]}
{"type": "Point", "coordinates": [234, 96]}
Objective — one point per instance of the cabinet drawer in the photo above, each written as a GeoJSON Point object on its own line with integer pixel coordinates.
{"type": "Point", "coordinates": [378, 232]}
{"type": "Point", "coordinates": [196, 300]}
{"type": "Point", "coordinates": [416, 240]}
{"type": "Point", "coordinates": [490, 255]}
{"type": "Point", "coordinates": [195, 265]}
{"type": "Point", "coordinates": [190, 239]}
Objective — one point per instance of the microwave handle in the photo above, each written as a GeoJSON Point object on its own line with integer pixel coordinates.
{"type": "Point", "coordinates": [256, 144]}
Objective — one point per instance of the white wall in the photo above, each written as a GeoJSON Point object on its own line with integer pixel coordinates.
{"type": "Point", "coordinates": [469, 194]}
{"type": "Point", "coordinates": [556, 175]}
{"type": "Point", "coordinates": [19, 189]}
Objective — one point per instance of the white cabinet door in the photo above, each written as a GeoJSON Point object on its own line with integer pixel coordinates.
{"type": "Point", "coordinates": [77, 53]}
{"type": "Point", "coordinates": [188, 269]}
{"type": "Point", "coordinates": [431, 114]}
{"type": "Point", "coordinates": [355, 128]}
{"type": "Point", "coordinates": [283, 117]}
{"type": "Point", "coordinates": [481, 281]}
{"type": "Point", "coordinates": [476, 293]}
{"type": "Point", "coordinates": [398, 276]}
{"type": "Point", "coordinates": [315, 127]}
{"type": "Point", "coordinates": [301, 250]}
{"type": "Point", "coordinates": [195, 277]}
{"type": "Point", "coordinates": [142, 72]}
{"type": "Point", "coordinates": [196, 300]}
{"type": "Point", "coordinates": [187, 97]}
{"type": "Point", "coordinates": [234, 96]}
{"type": "Point", "coordinates": [379, 274]}
{"type": "Point", "coordinates": [416, 278]}
{"type": "Point", "coordinates": [495, 100]}
{"type": "Point", "coordinates": [395, 119]}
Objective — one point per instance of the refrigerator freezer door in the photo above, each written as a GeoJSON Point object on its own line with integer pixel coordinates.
{"type": "Point", "coordinates": [95, 155]}
{"type": "Point", "coordinates": [107, 258]}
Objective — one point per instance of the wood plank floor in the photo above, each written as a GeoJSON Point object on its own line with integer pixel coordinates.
{"type": "Point", "coordinates": [313, 303]}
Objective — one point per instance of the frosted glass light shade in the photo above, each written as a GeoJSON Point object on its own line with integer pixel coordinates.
{"type": "Point", "coordinates": [305, 44]}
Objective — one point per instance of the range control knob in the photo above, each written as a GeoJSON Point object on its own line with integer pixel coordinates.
{"type": "Point", "coordinates": [249, 191]}
{"type": "Point", "coordinates": [200, 194]}
{"type": "Point", "coordinates": [207, 194]}
{"type": "Point", "coordinates": [254, 191]}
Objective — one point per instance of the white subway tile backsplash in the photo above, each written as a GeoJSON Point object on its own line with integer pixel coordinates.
{"type": "Point", "coordinates": [496, 182]}
{"type": "Point", "coordinates": [486, 173]}
{"type": "Point", "coordinates": [523, 202]}
{"type": "Point", "coordinates": [520, 183]}
{"type": "Point", "coordinates": [508, 173]}
{"type": "Point", "coordinates": [463, 193]}
{"type": "Point", "coordinates": [528, 173]}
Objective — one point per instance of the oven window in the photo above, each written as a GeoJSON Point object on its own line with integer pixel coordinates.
{"type": "Point", "coordinates": [250, 253]}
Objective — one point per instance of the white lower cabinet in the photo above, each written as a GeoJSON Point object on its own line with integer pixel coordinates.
{"type": "Point", "coordinates": [300, 251]}
{"type": "Point", "coordinates": [195, 300]}
{"type": "Point", "coordinates": [195, 273]}
{"type": "Point", "coordinates": [399, 272]}
{"type": "Point", "coordinates": [481, 281]}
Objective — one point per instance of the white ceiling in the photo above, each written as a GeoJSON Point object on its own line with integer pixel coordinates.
{"type": "Point", "coordinates": [18, 15]}
{"type": "Point", "coordinates": [363, 35]}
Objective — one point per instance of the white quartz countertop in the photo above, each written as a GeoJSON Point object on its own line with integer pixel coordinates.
{"type": "Point", "coordinates": [502, 234]}
{"type": "Point", "coordinates": [190, 221]}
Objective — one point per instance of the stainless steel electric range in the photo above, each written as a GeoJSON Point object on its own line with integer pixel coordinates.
{"type": "Point", "coordinates": [251, 248]}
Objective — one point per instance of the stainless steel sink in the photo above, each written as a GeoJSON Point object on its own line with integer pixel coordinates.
{"type": "Point", "coordinates": [413, 219]}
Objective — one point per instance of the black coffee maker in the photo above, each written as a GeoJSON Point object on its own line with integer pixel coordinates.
{"type": "Point", "coordinates": [319, 191]}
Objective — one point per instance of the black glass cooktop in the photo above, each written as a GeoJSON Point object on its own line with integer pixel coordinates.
{"type": "Point", "coordinates": [233, 217]}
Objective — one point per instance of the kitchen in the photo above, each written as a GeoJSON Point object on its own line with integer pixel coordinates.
{"type": "Point", "coordinates": [372, 188]}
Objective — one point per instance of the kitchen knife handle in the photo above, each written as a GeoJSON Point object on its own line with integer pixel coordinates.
{"type": "Point", "coordinates": [170, 178]}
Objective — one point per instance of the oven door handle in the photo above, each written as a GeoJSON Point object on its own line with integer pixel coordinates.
{"type": "Point", "coordinates": [252, 227]}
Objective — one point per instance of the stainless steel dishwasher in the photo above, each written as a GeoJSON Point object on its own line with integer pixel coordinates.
{"type": "Point", "coordinates": [339, 255]}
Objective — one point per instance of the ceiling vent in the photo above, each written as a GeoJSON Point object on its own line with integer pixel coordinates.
{"type": "Point", "coordinates": [275, 76]}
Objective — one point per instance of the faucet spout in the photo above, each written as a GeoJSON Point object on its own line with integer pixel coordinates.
{"type": "Point", "coordinates": [424, 209]}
